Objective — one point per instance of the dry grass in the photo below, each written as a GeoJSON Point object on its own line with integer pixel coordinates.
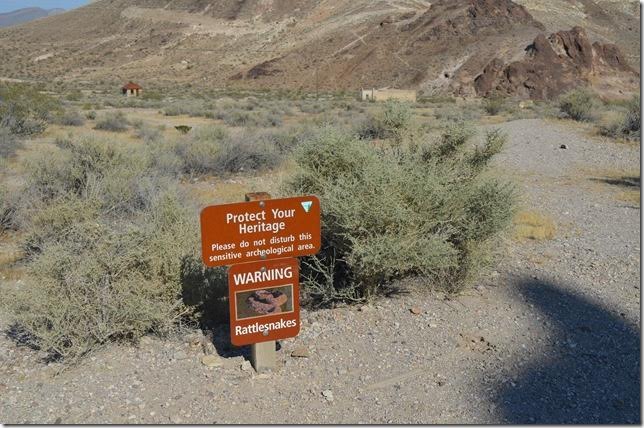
{"type": "Point", "coordinates": [533, 225]}
{"type": "Point", "coordinates": [626, 180]}
{"type": "Point", "coordinates": [632, 196]}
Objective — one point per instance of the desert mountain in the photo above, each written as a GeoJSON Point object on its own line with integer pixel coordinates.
{"type": "Point", "coordinates": [434, 46]}
{"type": "Point", "coordinates": [558, 63]}
{"type": "Point", "coordinates": [27, 14]}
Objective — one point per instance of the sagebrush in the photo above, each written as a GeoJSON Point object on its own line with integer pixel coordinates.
{"type": "Point", "coordinates": [106, 236]}
{"type": "Point", "coordinates": [396, 210]}
{"type": "Point", "coordinates": [578, 104]}
{"type": "Point", "coordinates": [24, 110]}
{"type": "Point", "coordinates": [629, 125]}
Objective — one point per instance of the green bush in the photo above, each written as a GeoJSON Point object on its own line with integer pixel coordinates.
{"type": "Point", "coordinates": [24, 110]}
{"type": "Point", "coordinates": [74, 96]}
{"type": "Point", "coordinates": [458, 113]}
{"type": "Point", "coordinates": [114, 122]}
{"type": "Point", "coordinates": [392, 120]}
{"type": "Point", "coordinates": [106, 237]}
{"type": "Point", "coordinates": [211, 150]}
{"type": "Point", "coordinates": [578, 104]}
{"type": "Point", "coordinates": [8, 210]}
{"type": "Point", "coordinates": [494, 105]}
{"type": "Point", "coordinates": [9, 143]}
{"type": "Point", "coordinates": [388, 213]}
{"type": "Point", "coordinates": [629, 125]}
{"type": "Point", "coordinates": [189, 108]}
{"type": "Point", "coordinates": [248, 151]}
{"type": "Point", "coordinates": [149, 132]}
{"type": "Point", "coordinates": [244, 118]}
{"type": "Point", "coordinates": [313, 107]}
{"type": "Point", "coordinates": [198, 151]}
{"type": "Point", "coordinates": [71, 118]}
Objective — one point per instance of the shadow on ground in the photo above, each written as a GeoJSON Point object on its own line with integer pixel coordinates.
{"type": "Point", "coordinates": [593, 374]}
{"type": "Point", "coordinates": [626, 181]}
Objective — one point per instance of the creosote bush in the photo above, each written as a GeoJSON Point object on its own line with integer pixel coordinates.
{"type": "Point", "coordinates": [402, 209]}
{"type": "Point", "coordinates": [392, 120]}
{"type": "Point", "coordinates": [213, 150]}
{"type": "Point", "coordinates": [24, 110]}
{"type": "Point", "coordinates": [494, 105]}
{"type": "Point", "coordinates": [578, 104]}
{"type": "Point", "coordinates": [9, 143]}
{"type": "Point", "coordinates": [71, 118]}
{"type": "Point", "coordinates": [629, 125]}
{"type": "Point", "coordinates": [106, 236]}
{"type": "Point", "coordinates": [114, 122]}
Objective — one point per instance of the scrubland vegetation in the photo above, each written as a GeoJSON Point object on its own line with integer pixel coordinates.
{"type": "Point", "coordinates": [584, 106]}
{"type": "Point", "coordinates": [109, 231]}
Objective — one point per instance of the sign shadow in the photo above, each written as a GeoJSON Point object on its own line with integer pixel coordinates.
{"type": "Point", "coordinates": [590, 372]}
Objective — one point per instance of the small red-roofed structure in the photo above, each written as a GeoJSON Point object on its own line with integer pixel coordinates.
{"type": "Point", "coordinates": [131, 89]}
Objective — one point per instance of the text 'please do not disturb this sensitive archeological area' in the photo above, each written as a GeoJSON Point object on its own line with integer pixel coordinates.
{"type": "Point", "coordinates": [260, 230]}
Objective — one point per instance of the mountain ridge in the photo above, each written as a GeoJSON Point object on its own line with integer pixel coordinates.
{"type": "Point", "coordinates": [26, 14]}
{"type": "Point", "coordinates": [437, 47]}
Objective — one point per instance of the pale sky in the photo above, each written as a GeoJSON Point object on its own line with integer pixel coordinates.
{"type": "Point", "coordinates": [9, 5]}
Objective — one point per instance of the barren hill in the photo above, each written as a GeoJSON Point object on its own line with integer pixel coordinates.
{"type": "Point", "coordinates": [26, 14]}
{"type": "Point", "coordinates": [437, 46]}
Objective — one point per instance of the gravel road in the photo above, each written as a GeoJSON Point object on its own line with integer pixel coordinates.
{"type": "Point", "coordinates": [551, 336]}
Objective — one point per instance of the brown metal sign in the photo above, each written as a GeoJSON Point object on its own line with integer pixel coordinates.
{"type": "Point", "coordinates": [260, 230]}
{"type": "Point", "coordinates": [264, 301]}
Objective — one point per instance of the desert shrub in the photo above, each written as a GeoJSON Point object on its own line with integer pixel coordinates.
{"type": "Point", "coordinates": [274, 120]}
{"type": "Point", "coordinates": [247, 151]}
{"type": "Point", "coordinates": [289, 138]}
{"type": "Point", "coordinates": [578, 104]}
{"type": "Point", "coordinates": [106, 236]}
{"type": "Point", "coordinates": [313, 107]}
{"type": "Point", "coordinates": [9, 143]}
{"type": "Point", "coordinates": [189, 108]}
{"type": "Point", "coordinates": [632, 120]}
{"type": "Point", "coordinates": [392, 120]}
{"type": "Point", "coordinates": [417, 210]}
{"type": "Point", "coordinates": [198, 151]}
{"type": "Point", "coordinates": [243, 118]}
{"type": "Point", "coordinates": [114, 122]}
{"type": "Point", "coordinates": [151, 95]}
{"type": "Point", "coordinates": [74, 96]}
{"type": "Point", "coordinates": [458, 113]}
{"type": "Point", "coordinates": [493, 105]}
{"type": "Point", "coordinates": [8, 210]}
{"type": "Point", "coordinates": [24, 110]}
{"type": "Point", "coordinates": [628, 126]}
{"type": "Point", "coordinates": [148, 132]}
{"type": "Point", "coordinates": [90, 115]}
{"type": "Point", "coordinates": [71, 118]}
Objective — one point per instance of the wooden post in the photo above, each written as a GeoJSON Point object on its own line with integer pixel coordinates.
{"type": "Point", "coordinates": [263, 356]}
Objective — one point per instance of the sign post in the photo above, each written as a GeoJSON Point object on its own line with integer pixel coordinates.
{"type": "Point", "coordinates": [259, 239]}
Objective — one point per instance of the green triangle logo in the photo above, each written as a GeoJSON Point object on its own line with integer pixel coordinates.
{"type": "Point", "coordinates": [307, 205]}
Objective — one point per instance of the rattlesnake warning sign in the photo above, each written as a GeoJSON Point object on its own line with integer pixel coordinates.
{"type": "Point", "coordinates": [264, 301]}
{"type": "Point", "coordinates": [260, 230]}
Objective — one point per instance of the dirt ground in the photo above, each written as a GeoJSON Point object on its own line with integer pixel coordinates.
{"type": "Point", "coordinates": [551, 336]}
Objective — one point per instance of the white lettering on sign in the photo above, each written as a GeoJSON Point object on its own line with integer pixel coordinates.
{"type": "Point", "coordinates": [258, 328]}
{"type": "Point", "coordinates": [263, 276]}
{"type": "Point", "coordinates": [259, 220]}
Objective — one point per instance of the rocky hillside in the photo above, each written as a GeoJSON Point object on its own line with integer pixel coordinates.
{"type": "Point", "coordinates": [26, 14]}
{"type": "Point", "coordinates": [439, 46]}
{"type": "Point", "coordinates": [558, 63]}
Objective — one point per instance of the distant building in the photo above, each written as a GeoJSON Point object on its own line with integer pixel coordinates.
{"type": "Point", "coordinates": [131, 89]}
{"type": "Point", "coordinates": [387, 94]}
